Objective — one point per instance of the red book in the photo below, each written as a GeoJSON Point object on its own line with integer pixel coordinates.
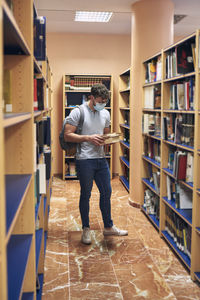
{"type": "Point", "coordinates": [182, 163]}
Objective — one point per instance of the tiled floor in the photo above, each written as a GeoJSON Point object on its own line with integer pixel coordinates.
{"type": "Point", "coordinates": [138, 266]}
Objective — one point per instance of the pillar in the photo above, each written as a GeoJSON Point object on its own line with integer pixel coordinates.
{"type": "Point", "coordinates": [152, 30]}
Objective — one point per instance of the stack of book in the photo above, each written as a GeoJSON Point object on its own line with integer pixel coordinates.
{"type": "Point", "coordinates": [84, 82]}
{"type": "Point", "coordinates": [152, 97]}
{"type": "Point", "coordinates": [179, 230]}
{"type": "Point", "coordinates": [182, 95]}
{"type": "Point", "coordinates": [152, 148]}
{"type": "Point", "coordinates": [154, 178]}
{"type": "Point", "coordinates": [151, 203]}
{"type": "Point", "coordinates": [153, 70]}
{"type": "Point", "coordinates": [111, 138]}
{"type": "Point", "coordinates": [179, 128]}
{"type": "Point", "coordinates": [151, 124]}
{"type": "Point", "coordinates": [180, 60]}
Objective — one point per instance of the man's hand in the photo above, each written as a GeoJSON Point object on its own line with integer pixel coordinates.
{"type": "Point", "coordinates": [96, 139]}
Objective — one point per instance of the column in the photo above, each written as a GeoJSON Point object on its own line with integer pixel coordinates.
{"type": "Point", "coordinates": [152, 30]}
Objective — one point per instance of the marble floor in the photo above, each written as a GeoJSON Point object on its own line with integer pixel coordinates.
{"type": "Point", "coordinates": [138, 266]}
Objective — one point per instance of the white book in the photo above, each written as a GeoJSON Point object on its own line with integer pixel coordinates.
{"type": "Point", "coordinates": [149, 97]}
{"type": "Point", "coordinates": [189, 168]}
{"type": "Point", "coordinates": [169, 192]}
{"type": "Point", "coordinates": [180, 96]}
{"type": "Point", "coordinates": [159, 70]}
{"type": "Point", "coordinates": [185, 198]}
{"type": "Point", "coordinates": [42, 178]}
{"type": "Point", "coordinates": [145, 123]}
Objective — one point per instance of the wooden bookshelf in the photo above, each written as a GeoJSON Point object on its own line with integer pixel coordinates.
{"type": "Point", "coordinates": [22, 233]}
{"type": "Point", "coordinates": [124, 127]}
{"type": "Point", "coordinates": [174, 107]}
{"type": "Point", "coordinates": [76, 90]}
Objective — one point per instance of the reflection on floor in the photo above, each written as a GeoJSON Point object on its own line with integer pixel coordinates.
{"type": "Point", "coordinates": [138, 266]}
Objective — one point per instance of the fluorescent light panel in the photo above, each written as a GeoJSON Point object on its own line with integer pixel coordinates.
{"type": "Point", "coordinates": [92, 16]}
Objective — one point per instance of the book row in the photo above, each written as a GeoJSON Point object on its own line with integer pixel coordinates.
{"type": "Point", "coordinates": [84, 82]}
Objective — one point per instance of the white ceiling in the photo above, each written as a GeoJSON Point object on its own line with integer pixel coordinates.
{"type": "Point", "coordinates": [60, 16]}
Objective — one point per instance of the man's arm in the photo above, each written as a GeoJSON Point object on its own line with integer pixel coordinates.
{"type": "Point", "coordinates": [71, 136]}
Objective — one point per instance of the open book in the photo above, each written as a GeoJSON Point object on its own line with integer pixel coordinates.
{"type": "Point", "coordinates": [111, 138]}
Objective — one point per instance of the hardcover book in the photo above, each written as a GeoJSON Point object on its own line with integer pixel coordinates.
{"type": "Point", "coordinates": [185, 59]}
{"type": "Point", "coordinates": [111, 138]}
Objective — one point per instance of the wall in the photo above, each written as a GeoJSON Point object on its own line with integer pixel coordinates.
{"type": "Point", "coordinates": [84, 54]}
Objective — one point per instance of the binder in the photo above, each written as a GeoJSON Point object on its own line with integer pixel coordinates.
{"type": "Point", "coordinates": [40, 38]}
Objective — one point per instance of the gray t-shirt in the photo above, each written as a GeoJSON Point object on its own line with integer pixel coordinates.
{"type": "Point", "coordinates": [94, 123]}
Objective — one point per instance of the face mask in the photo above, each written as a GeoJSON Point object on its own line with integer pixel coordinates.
{"type": "Point", "coordinates": [99, 106]}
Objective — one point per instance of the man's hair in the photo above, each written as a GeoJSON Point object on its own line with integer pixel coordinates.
{"type": "Point", "coordinates": [100, 90]}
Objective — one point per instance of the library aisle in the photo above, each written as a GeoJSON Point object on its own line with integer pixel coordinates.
{"type": "Point", "coordinates": [138, 266]}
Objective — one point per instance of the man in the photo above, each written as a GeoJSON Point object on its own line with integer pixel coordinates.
{"type": "Point", "coordinates": [91, 163]}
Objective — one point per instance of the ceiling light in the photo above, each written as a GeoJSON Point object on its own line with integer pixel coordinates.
{"type": "Point", "coordinates": [92, 16]}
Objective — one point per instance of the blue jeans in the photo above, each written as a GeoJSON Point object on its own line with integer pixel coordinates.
{"type": "Point", "coordinates": [97, 170]}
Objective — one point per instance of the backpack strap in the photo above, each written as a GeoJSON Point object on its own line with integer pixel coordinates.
{"type": "Point", "coordinates": [80, 125]}
{"type": "Point", "coordinates": [81, 120]}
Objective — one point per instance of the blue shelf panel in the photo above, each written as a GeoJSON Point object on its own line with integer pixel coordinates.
{"type": "Point", "coordinates": [181, 254]}
{"type": "Point", "coordinates": [125, 182]}
{"type": "Point", "coordinates": [45, 203]}
{"type": "Point", "coordinates": [198, 229]}
{"type": "Point", "coordinates": [45, 241]}
{"type": "Point", "coordinates": [38, 241]}
{"type": "Point", "coordinates": [39, 293]}
{"type": "Point", "coordinates": [189, 148]}
{"type": "Point", "coordinates": [27, 296]}
{"type": "Point", "coordinates": [188, 184]}
{"type": "Point", "coordinates": [17, 256]}
{"type": "Point", "coordinates": [37, 209]}
{"type": "Point", "coordinates": [197, 274]}
{"type": "Point", "coordinates": [16, 186]}
{"type": "Point", "coordinates": [71, 176]}
{"type": "Point", "coordinates": [152, 161]}
{"type": "Point", "coordinates": [125, 161]}
{"type": "Point", "coordinates": [152, 218]}
{"type": "Point", "coordinates": [186, 214]}
{"type": "Point", "coordinates": [169, 171]}
{"type": "Point", "coordinates": [125, 126]}
{"type": "Point", "coordinates": [151, 185]}
{"type": "Point", "coordinates": [125, 144]}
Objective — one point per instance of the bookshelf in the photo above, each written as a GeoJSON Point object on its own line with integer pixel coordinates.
{"type": "Point", "coordinates": [23, 213]}
{"type": "Point", "coordinates": [124, 127]}
{"type": "Point", "coordinates": [76, 90]}
{"type": "Point", "coordinates": [171, 143]}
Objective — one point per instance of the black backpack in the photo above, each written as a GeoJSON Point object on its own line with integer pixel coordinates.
{"type": "Point", "coordinates": [71, 147]}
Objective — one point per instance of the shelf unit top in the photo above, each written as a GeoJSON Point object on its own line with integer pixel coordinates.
{"type": "Point", "coordinates": [125, 73]}
{"type": "Point", "coordinates": [151, 83]}
{"type": "Point", "coordinates": [152, 57]}
{"type": "Point", "coordinates": [192, 35]}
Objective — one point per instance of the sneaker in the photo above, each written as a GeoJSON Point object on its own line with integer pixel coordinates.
{"type": "Point", "coordinates": [114, 231]}
{"type": "Point", "coordinates": [86, 238]}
